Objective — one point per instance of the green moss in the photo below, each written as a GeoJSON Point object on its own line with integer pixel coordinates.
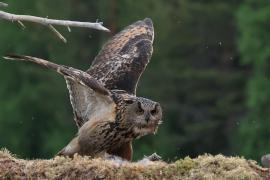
{"type": "Point", "coordinates": [184, 165]}
{"type": "Point", "coordinates": [202, 167]}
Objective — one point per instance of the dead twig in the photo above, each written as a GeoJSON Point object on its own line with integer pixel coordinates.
{"type": "Point", "coordinates": [51, 22]}
{"type": "Point", "coordinates": [57, 33]}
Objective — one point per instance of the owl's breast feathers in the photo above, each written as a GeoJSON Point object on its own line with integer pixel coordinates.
{"type": "Point", "coordinates": [100, 135]}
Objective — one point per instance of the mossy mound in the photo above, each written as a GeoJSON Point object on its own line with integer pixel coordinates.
{"type": "Point", "coordinates": [203, 167]}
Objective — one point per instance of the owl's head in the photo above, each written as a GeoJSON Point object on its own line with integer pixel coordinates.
{"type": "Point", "coordinates": [143, 115]}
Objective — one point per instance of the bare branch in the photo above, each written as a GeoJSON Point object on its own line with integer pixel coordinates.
{"type": "Point", "coordinates": [46, 21]}
{"type": "Point", "coordinates": [3, 4]}
{"type": "Point", "coordinates": [50, 22]}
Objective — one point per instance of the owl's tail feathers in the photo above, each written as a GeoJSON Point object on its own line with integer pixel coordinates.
{"type": "Point", "coordinates": [75, 75]}
{"type": "Point", "coordinates": [72, 148]}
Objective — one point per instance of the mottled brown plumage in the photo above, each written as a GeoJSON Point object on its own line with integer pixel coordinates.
{"type": "Point", "coordinates": [106, 110]}
{"type": "Point", "coordinates": [122, 60]}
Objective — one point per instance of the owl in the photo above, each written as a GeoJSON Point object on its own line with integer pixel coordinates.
{"type": "Point", "coordinates": [107, 112]}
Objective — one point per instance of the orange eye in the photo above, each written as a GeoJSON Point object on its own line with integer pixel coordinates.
{"type": "Point", "coordinates": [140, 110]}
{"type": "Point", "coordinates": [154, 111]}
{"type": "Point", "coordinates": [129, 101]}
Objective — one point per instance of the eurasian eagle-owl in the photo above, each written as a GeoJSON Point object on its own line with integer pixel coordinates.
{"type": "Point", "coordinates": [106, 110]}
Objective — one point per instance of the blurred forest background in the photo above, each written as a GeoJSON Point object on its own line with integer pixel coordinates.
{"type": "Point", "coordinates": [210, 71]}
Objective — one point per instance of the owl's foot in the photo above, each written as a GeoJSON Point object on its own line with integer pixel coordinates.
{"type": "Point", "coordinates": [153, 157]}
{"type": "Point", "coordinates": [150, 159]}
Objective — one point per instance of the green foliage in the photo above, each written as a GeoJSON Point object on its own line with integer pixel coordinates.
{"type": "Point", "coordinates": [31, 112]}
{"type": "Point", "coordinates": [197, 77]}
{"type": "Point", "coordinates": [253, 133]}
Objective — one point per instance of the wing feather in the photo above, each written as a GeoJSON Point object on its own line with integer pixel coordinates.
{"type": "Point", "coordinates": [88, 97]}
{"type": "Point", "coordinates": [123, 59]}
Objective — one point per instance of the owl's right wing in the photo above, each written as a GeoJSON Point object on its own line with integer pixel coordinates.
{"type": "Point", "coordinates": [123, 59]}
{"type": "Point", "coordinates": [89, 99]}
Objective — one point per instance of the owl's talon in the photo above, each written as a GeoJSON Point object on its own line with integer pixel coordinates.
{"type": "Point", "coordinates": [153, 157]}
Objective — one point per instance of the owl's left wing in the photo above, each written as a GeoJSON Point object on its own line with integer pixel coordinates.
{"type": "Point", "coordinates": [123, 59]}
{"type": "Point", "coordinates": [90, 100]}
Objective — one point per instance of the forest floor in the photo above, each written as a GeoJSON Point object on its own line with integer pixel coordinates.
{"type": "Point", "coordinates": [202, 167]}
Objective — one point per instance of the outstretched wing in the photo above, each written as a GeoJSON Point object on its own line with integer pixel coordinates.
{"type": "Point", "coordinates": [122, 60]}
{"type": "Point", "coordinates": [89, 99]}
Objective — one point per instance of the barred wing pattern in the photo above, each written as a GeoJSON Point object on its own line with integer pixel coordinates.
{"type": "Point", "coordinates": [88, 97]}
{"type": "Point", "coordinates": [123, 59]}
